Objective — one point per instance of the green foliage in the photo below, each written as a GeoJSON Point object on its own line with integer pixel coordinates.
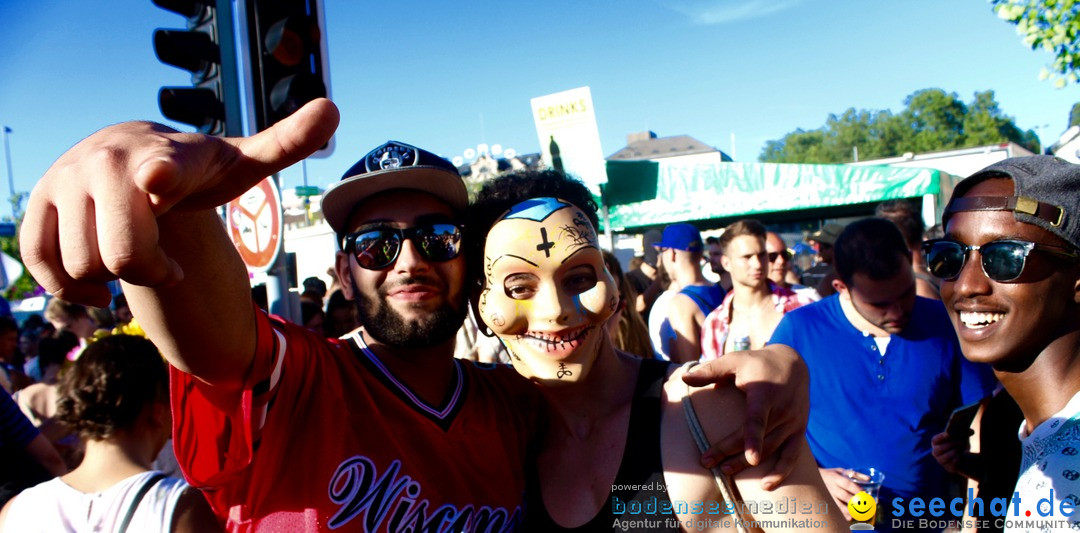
{"type": "Point", "coordinates": [1074, 115]}
{"type": "Point", "coordinates": [932, 120]}
{"type": "Point", "coordinates": [937, 120]}
{"type": "Point", "coordinates": [985, 124]}
{"type": "Point", "coordinates": [1052, 25]}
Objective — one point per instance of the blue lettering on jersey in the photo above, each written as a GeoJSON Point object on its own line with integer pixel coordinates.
{"type": "Point", "coordinates": [358, 489]}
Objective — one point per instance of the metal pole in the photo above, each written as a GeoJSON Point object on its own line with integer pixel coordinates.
{"type": "Point", "coordinates": [233, 38]}
{"type": "Point", "coordinates": [15, 199]}
{"type": "Point", "coordinates": [607, 228]}
{"type": "Point", "coordinates": [7, 156]}
{"type": "Point", "coordinates": [281, 301]}
{"type": "Point", "coordinates": [230, 68]}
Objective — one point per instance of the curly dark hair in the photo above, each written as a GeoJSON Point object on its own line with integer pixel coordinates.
{"type": "Point", "coordinates": [508, 190]}
{"type": "Point", "coordinates": [110, 384]}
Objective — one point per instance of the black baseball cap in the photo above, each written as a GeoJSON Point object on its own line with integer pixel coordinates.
{"type": "Point", "coordinates": [394, 165]}
{"type": "Point", "coordinates": [1047, 194]}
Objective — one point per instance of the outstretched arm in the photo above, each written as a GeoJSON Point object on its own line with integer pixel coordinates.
{"type": "Point", "coordinates": [801, 498]}
{"type": "Point", "coordinates": [135, 202]}
{"type": "Point", "coordinates": [777, 384]}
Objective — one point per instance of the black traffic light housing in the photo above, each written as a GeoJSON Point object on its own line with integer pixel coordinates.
{"type": "Point", "coordinates": [287, 58]}
{"type": "Point", "coordinates": [206, 49]}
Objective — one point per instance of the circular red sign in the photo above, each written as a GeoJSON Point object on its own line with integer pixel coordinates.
{"type": "Point", "coordinates": [255, 225]}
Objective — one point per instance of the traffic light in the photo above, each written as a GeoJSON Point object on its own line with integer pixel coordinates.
{"type": "Point", "coordinates": [207, 50]}
{"type": "Point", "coordinates": [287, 58]}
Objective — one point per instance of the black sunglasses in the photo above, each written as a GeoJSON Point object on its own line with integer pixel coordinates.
{"type": "Point", "coordinates": [378, 248]}
{"type": "Point", "coordinates": [1002, 260]}
{"type": "Point", "coordinates": [774, 255]}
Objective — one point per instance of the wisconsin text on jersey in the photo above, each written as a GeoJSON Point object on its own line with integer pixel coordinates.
{"type": "Point", "coordinates": [360, 490]}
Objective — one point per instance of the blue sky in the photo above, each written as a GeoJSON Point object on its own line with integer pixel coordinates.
{"type": "Point", "coordinates": [449, 75]}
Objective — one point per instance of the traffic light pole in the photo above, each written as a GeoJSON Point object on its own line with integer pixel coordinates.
{"type": "Point", "coordinates": [230, 68]}
{"type": "Point", "coordinates": [284, 53]}
{"type": "Point", "coordinates": [278, 297]}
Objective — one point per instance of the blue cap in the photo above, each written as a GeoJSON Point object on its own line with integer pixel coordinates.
{"type": "Point", "coordinates": [681, 237]}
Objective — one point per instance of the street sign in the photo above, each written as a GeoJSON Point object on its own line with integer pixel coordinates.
{"type": "Point", "coordinates": [10, 270]}
{"type": "Point", "coordinates": [7, 229]}
{"type": "Point", "coordinates": [255, 224]}
{"type": "Point", "coordinates": [307, 190]}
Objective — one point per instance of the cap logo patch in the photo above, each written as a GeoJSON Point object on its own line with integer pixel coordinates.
{"type": "Point", "coordinates": [390, 156]}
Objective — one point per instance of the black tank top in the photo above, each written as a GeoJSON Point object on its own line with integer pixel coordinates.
{"type": "Point", "coordinates": [640, 491]}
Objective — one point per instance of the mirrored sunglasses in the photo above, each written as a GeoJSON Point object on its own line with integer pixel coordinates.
{"type": "Point", "coordinates": [378, 248]}
{"type": "Point", "coordinates": [1002, 260]}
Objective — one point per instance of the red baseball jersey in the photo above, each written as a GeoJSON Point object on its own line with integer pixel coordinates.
{"type": "Point", "coordinates": [325, 437]}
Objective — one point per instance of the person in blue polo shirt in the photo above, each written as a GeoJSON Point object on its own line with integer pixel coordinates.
{"type": "Point", "coordinates": [885, 370]}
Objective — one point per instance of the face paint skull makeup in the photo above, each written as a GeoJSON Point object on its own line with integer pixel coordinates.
{"type": "Point", "coordinates": [547, 292]}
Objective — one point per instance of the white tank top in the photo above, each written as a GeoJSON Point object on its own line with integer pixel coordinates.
{"type": "Point", "coordinates": [56, 506]}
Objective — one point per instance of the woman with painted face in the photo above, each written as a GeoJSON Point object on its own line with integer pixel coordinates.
{"type": "Point", "coordinates": [619, 452]}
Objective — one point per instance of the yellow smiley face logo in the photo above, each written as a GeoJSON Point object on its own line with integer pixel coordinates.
{"type": "Point", "coordinates": [862, 507]}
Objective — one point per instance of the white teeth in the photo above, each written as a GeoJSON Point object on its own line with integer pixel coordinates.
{"type": "Point", "coordinates": [979, 320]}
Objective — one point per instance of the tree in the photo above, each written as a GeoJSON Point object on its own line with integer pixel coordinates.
{"type": "Point", "coordinates": [1074, 115]}
{"type": "Point", "coordinates": [937, 120]}
{"type": "Point", "coordinates": [797, 147]}
{"type": "Point", "coordinates": [1054, 26]}
{"type": "Point", "coordinates": [932, 120]}
{"type": "Point", "coordinates": [986, 124]}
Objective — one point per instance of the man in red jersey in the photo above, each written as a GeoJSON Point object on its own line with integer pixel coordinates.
{"type": "Point", "coordinates": [284, 430]}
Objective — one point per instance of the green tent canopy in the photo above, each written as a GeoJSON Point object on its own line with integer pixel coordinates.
{"type": "Point", "coordinates": [651, 193]}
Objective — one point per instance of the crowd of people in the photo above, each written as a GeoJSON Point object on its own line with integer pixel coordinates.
{"type": "Point", "coordinates": [381, 411]}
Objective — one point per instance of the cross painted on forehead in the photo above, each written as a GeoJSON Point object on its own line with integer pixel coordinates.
{"type": "Point", "coordinates": [546, 245]}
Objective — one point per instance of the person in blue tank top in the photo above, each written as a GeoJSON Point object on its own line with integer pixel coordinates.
{"type": "Point", "coordinates": [681, 252]}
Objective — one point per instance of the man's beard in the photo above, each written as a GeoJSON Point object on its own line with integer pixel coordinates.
{"type": "Point", "coordinates": [387, 326]}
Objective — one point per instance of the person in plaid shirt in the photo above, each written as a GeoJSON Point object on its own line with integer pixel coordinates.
{"type": "Point", "coordinates": [755, 305]}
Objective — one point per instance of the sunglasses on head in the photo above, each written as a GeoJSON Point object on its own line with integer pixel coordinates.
{"type": "Point", "coordinates": [774, 255]}
{"type": "Point", "coordinates": [378, 248]}
{"type": "Point", "coordinates": [1002, 260]}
